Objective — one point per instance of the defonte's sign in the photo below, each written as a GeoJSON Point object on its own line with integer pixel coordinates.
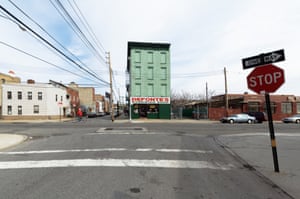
{"type": "Point", "coordinates": [149, 100]}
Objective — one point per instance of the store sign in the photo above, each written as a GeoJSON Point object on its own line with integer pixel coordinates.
{"type": "Point", "coordinates": [150, 100]}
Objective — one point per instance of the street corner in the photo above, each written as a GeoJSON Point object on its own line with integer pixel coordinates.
{"type": "Point", "coordinates": [10, 140]}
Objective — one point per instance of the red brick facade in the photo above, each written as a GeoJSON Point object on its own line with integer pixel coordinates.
{"type": "Point", "coordinates": [281, 105]}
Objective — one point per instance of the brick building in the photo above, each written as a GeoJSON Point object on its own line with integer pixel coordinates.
{"type": "Point", "coordinates": [281, 105]}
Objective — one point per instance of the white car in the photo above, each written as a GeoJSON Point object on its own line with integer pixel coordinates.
{"type": "Point", "coordinates": [292, 119]}
{"type": "Point", "coordinates": [238, 118]}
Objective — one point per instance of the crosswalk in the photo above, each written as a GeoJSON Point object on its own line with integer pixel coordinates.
{"type": "Point", "coordinates": [111, 162]}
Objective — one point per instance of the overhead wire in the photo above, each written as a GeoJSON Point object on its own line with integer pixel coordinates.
{"type": "Point", "coordinates": [77, 30]}
{"type": "Point", "coordinates": [50, 44]}
{"type": "Point", "coordinates": [87, 26]}
{"type": "Point", "coordinates": [45, 31]}
{"type": "Point", "coordinates": [47, 62]}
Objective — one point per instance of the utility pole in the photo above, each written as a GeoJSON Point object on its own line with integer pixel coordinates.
{"type": "Point", "coordinates": [207, 104]}
{"type": "Point", "coordinates": [111, 89]}
{"type": "Point", "coordinates": [226, 93]}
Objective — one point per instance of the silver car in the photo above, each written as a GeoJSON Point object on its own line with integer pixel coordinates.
{"type": "Point", "coordinates": [239, 118]}
{"type": "Point", "coordinates": [292, 119]}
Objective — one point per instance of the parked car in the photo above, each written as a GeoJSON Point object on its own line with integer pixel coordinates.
{"type": "Point", "coordinates": [91, 114]}
{"type": "Point", "coordinates": [239, 118]}
{"type": "Point", "coordinates": [292, 119]}
{"type": "Point", "coordinates": [260, 116]}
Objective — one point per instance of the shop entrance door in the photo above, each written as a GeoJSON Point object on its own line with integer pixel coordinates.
{"type": "Point", "coordinates": [143, 110]}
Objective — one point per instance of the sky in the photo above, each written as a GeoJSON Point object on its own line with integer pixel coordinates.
{"type": "Point", "coordinates": [206, 37]}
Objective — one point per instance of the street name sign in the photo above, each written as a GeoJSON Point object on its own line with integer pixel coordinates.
{"type": "Point", "coordinates": [265, 79]}
{"type": "Point", "coordinates": [263, 59]}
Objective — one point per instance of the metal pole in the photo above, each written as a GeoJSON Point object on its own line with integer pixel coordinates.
{"type": "Point", "coordinates": [272, 133]}
{"type": "Point", "coordinates": [111, 89]}
{"type": "Point", "coordinates": [226, 93]}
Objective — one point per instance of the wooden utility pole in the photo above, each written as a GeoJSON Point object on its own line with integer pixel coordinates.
{"type": "Point", "coordinates": [207, 103]}
{"type": "Point", "coordinates": [226, 93]}
{"type": "Point", "coordinates": [111, 90]}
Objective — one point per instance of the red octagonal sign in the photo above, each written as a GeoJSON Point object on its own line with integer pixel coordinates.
{"type": "Point", "coordinates": [266, 78]}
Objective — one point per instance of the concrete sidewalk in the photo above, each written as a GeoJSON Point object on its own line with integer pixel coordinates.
{"type": "Point", "coordinates": [256, 151]}
{"type": "Point", "coordinates": [10, 140]}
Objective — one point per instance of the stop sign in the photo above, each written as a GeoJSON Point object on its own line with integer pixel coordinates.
{"type": "Point", "coordinates": [266, 78]}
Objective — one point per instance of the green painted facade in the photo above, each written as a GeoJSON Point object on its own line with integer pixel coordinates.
{"type": "Point", "coordinates": [148, 67]}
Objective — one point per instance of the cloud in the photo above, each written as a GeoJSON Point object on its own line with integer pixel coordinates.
{"type": "Point", "coordinates": [205, 37]}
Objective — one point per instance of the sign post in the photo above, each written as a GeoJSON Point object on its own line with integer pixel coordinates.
{"type": "Point", "coordinates": [264, 80]}
{"type": "Point", "coordinates": [272, 133]}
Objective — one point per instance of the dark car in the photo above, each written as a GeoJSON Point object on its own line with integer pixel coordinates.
{"type": "Point", "coordinates": [260, 116]}
{"type": "Point", "coordinates": [238, 118]}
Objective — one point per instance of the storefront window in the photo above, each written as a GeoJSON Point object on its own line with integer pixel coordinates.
{"type": "Point", "coordinates": [253, 106]}
{"type": "Point", "coordinates": [298, 107]}
{"type": "Point", "coordinates": [286, 107]}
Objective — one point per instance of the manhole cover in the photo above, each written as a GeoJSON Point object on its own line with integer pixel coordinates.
{"type": "Point", "coordinates": [121, 129]}
{"type": "Point", "coordinates": [124, 129]}
{"type": "Point", "coordinates": [135, 190]}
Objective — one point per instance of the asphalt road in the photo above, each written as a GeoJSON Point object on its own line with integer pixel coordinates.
{"type": "Point", "coordinates": [100, 159]}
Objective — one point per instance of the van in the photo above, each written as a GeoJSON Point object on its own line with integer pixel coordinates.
{"type": "Point", "coordinates": [260, 116]}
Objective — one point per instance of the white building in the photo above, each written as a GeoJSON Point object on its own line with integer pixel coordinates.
{"type": "Point", "coordinates": [33, 101]}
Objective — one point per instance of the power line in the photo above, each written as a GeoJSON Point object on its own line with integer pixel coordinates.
{"type": "Point", "coordinates": [47, 62]}
{"type": "Point", "coordinates": [51, 45]}
{"type": "Point", "coordinates": [74, 26]}
{"type": "Point", "coordinates": [62, 46]}
{"type": "Point", "coordinates": [87, 26]}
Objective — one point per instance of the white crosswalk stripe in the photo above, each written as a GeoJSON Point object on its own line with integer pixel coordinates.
{"type": "Point", "coordinates": [155, 163]}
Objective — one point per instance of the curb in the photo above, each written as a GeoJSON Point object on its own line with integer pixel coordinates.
{"type": "Point", "coordinates": [10, 140]}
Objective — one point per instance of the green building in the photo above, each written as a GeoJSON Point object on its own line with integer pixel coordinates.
{"type": "Point", "coordinates": [148, 86]}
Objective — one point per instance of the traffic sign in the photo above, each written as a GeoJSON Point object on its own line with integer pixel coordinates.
{"type": "Point", "coordinates": [263, 59]}
{"type": "Point", "coordinates": [266, 79]}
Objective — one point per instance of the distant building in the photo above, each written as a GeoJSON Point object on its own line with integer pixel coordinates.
{"type": "Point", "coordinates": [33, 101]}
{"type": "Point", "coordinates": [148, 86]}
{"type": "Point", "coordinates": [7, 78]}
{"type": "Point", "coordinates": [281, 105]}
{"type": "Point", "coordinates": [86, 96]}
{"type": "Point", "coordinates": [102, 105]}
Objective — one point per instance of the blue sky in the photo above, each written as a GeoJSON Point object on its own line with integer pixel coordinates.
{"type": "Point", "coordinates": [205, 37]}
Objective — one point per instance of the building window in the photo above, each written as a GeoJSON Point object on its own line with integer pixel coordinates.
{"type": "Point", "coordinates": [137, 57]}
{"type": "Point", "coordinates": [150, 74]}
{"type": "Point", "coordinates": [40, 96]}
{"type": "Point", "coordinates": [36, 109]}
{"type": "Point", "coordinates": [298, 107]}
{"type": "Point", "coordinates": [56, 98]}
{"type": "Point", "coordinates": [19, 110]}
{"type": "Point", "coordinates": [29, 95]}
{"type": "Point", "coordinates": [286, 107]}
{"type": "Point", "coordinates": [150, 57]}
{"type": "Point", "coordinates": [9, 95]}
{"type": "Point", "coordinates": [253, 106]}
{"type": "Point", "coordinates": [163, 91]}
{"type": "Point", "coordinates": [273, 107]}
{"type": "Point", "coordinates": [163, 73]}
{"type": "Point", "coordinates": [138, 90]}
{"type": "Point", "coordinates": [138, 72]}
{"type": "Point", "coordinates": [163, 58]}
{"type": "Point", "coordinates": [9, 110]}
{"type": "Point", "coordinates": [19, 95]}
{"type": "Point", "coordinates": [150, 90]}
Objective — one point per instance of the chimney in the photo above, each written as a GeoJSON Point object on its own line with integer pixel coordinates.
{"type": "Point", "coordinates": [30, 81]}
